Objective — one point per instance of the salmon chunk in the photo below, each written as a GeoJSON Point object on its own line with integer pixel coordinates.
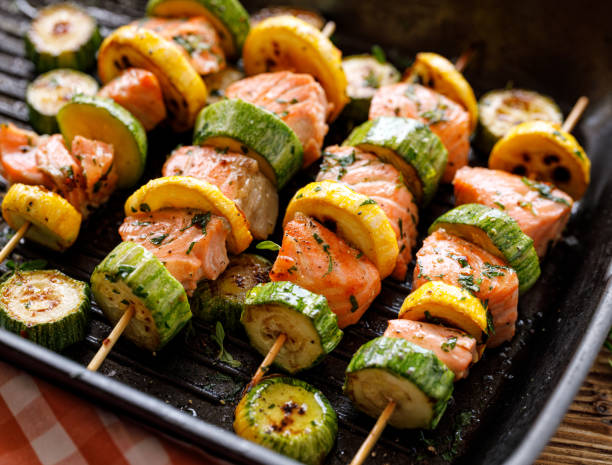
{"type": "Point", "coordinates": [539, 209]}
{"type": "Point", "coordinates": [297, 99]}
{"type": "Point", "coordinates": [190, 243]}
{"type": "Point", "coordinates": [366, 174]}
{"type": "Point", "coordinates": [197, 38]}
{"type": "Point", "coordinates": [315, 258]}
{"type": "Point", "coordinates": [18, 156]}
{"type": "Point", "coordinates": [138, 91]}
{"type": "Point", "coordinates": [454, 348]}
{"type": "Point", "coordinates": [450, 259]}
{"type": "Point", "coordinates": [237, 176]}
{"type": "Point", "coordinates": [447, 119]}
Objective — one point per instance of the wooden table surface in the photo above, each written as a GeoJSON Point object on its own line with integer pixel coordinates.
{"type": "Point", "coordinates": [585, 435]}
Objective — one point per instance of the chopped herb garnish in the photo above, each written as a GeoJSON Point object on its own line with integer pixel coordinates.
{"type": "Point", "coordinates": [461, 259]}
{"type": "Point", "coordinates": [317, 238]}
{"type": "Point", "coordinates": [437, 115]}
{"type": "Point", "coordinates": [268, 245]}
{"type": "Point", "coordinates": [372, 80]}
{"type": "Point", "coordinates": [190, 248]}
{"type": "Point", "coordinates": [292, 269]}
{"type": "Point", "coordinates": [559, 135]}
{"type": "Point", "coordinates": [354, 304]}
{"type": "Point", "coordinates": [359, 255]}
{"type": "Point", "coordinates": [224, 355]}
{"type": "Point", "coordinates": [544, 190]}
{"type": "Point", "coordinates": [491, 271]}
{"type": "Point", "coordinates": [450, 344]}
{"type": "Point", "coordinates": [500, 205]}
{"type": "Point", "coordinates": [466, 281]}
{"type": "Point", "coordinates": [379, 53]}
{"type": "Point", "coordinates": [157, 240]}
{"type": "Point", "coordinates": [199, 219]}
{"type": "Point", "coordinates": [68, 170]}
{"type": "Point", "coordinates": [400, 225]}
{"type": "Point", "coordinates": [367, 202]}
{"type": "Point", "coordinates": [294, 101]}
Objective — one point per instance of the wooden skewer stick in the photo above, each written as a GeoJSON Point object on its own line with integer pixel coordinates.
{"type": "Point", "coordinates": [575, 114]}
{"type": "Point", "coordinates": [464, 59]}
{"type": "Point", "coordinates": [267, 361]}
{"type": "Point", "coordinates": [368, 444]}
{"type": "Point", "coordinates": [110, 341]}
{"type": "Point", "coordinates": [10, 245]}
{"type": "Point", "coordinates": [328, 29]}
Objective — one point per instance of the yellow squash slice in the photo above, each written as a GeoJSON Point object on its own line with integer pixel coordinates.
{"type": "Point", "coordinates": [436, 300]}
{"type": "Point", "coordinates": [188, 192]}
{"type": "Point", "coordinates": [436, 72]}
{"type": "Point", "coordinates": [358, 219]}
{"type": "Point", "coordinates": [183, 89]}
{"type": "Point", "coordinates": [55, 223]}
{"type": "Point", "coordinates": [541, 150]}
{"type": "Point", "coordinates": [288, 43]}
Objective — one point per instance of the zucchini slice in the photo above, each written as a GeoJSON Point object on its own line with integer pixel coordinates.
{"type": "Point", "coordinates": [50, 91]}
{"type": "Point", "coordinates": [62, 36]}
{"type": "Point", "coordinates": [130, 275]}
{"type": "Point", "coordinates": [365, 74]}
{"type": "Point", "coordinates": [54, 222]}
{"type": "Point", "coordinates": [358, 220]}
{"type": "Point", "coordinates": [245, 128]}
{"type": "Point", "coordinates": [216, 83]}
{"type": "Point", "coordinates": [408, 145]}
{"type": "Point", "coordinates": [183, 89]}
{"type": "Point", "coordinates": [310, 16]}
{"type": "Point", "coordinates": [223, 299]}
{"type": "Point", "coordinates": [288, 43]}
{"type": "Point", "coordinates": [196, 194]}
{"type": "Point", "coordinates": [386, 369]}
{"type": "Point", "coordinates": [229, 18]}
{"type": "Point", "coordinates": [502, 109]}
{"type": "Point", "coordinates": [290, 417]}
{"type": "Point", "coordinates": [435, 71]}
{"type": "Point", "coordinates": [46, 307]}
{"type": "Point", "coordinates": [276, 308]}
{"type": "Point", "coordinates": [498, 234]}
{"type": "Point", "coordinates": [438, 302]}
{"type": "Point", "coordinates": [102, 119]}
{"type": "Point", "coordinates": [542, 151]}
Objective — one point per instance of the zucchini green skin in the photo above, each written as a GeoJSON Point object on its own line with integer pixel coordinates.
{"type": "Point", "coordinates": [82, 59]}
{"type": "Point", "coordinates": [308, 447]}
{"type": "Point", "coordinates": [258, 130]}
{"type": "Point", "coordinates": [132, 274]}
{"type": "Point", "coordinates": [223, 299]}
{"type": "Point", "coordinates": [45, 122]}
{"type": "Point", "coordinates": [83, 116]}
{"type": "Point", "coordinates": [407, 361]}
{"type": "Point", "coordinates": [230, 13]}
{"type": "Point", "coordinates": [503, 232]}
{"type": "Point", "coordinates": [55, 335]}
{"type": "Point", "coordinates": [296, 299]}
{"type": "Point", "coordinates": [413, 143]}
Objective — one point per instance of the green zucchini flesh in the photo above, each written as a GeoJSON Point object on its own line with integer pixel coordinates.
{"type": "Point", "coordinates": [46, 307]}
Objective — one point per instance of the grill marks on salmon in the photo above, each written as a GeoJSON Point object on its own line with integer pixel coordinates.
{"type": "Point", "coordinates": [190, 243]}
{"type": "Point", "coordinates": [317, 259]}
{"type": "Point", "coordinates": [297, 99]}
{"type": "Point", "coordinates": [18, 155]}
{"type": "Point", "coordinates": [196, 37]}
{"type": "Point", "coordinates": [138, 91]}
{"type": "Point", "coordinates": [366, 174]}
{"type": "Point", "coordinates": [541, 213]}
{"type": "Point", "coordinates": [454, 348]}
{"type": "Point", "coordinates": [447, 119]}
{"type": "Point", "coordinates": [237, 176]}
{"type": "Point", "coordinates": [447, 258]}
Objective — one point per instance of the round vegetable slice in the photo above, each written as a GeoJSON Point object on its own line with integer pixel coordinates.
{"type": "Point", "coordinates": [358, 220]}
{"type": "Point", "coordinates": [288, 43]}
{"type": "Point", "coordinates": [408, 145]}
{"type": "Point", "coordinates": [55, 223]}
{"type": "Point", "coordinates": [62, 36]}
{"type": "Point", "coordinates": [46, 307]}
{"type": "Point", "coordinates": [183, 89]}
{"type": "Point", "coordinates": [223, 299]}
{"type": "Point", "coordinates": [290, 417]}
{"type": "Point", "coordinates": [50, 91]}
{"type": "Point", "coordinates": [216, 83]}
{"type": "Point", "coordinates": [102, 119]}
{"type": "Point", "coordinates": [391, 369]}
{"type": "Point", "coordinates": [437, 301]}
{"type": "Point", "coordinates": [276, 308]}
{"type": "Point", "coordinates": [131, 276]}
{"type": "Point", "coordinates": [245, 128]}
{"type": "Point", "coordinates": [543, 151]}
{"type": "Point", "coordinates": [309, 16]}
{"type": "Point", "coordinates": [229, 18]}
{"type": "Point", "coordinates": [498, 234]}
{"type": "Point", "coordinates": [500, 110]}
{"type": "Point", "coordinates": [188, 192]}
{"type": "Point", "coordinates": [365, 74]}
{"type": "Point", "coordinates": [435, 71]}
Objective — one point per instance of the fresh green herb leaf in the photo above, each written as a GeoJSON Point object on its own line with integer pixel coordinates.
{"type": "Point", "coordinates": [354, 304]}
{"type": "Point", "coordinates": [466, 281]}
{"type": "Point", "coordinates": [492, 271]}
{"type": "Point", "coordinates": [367, 202]}
{"type": "Point", "coordinates": [500, 205]}
{"type": "Point", "coordinates": [450, 344]}
{"type": "Point", "coordinates": [544, 190]}
{"type": "Point", "coordinates": [379, 54]}
{"type": "Point", "coordinates": [268, 245]}
{"type": "Point", "coordinates": [157, 240]}
{"type": "Point", "coordinates": [461, 259]}
{"type": "Point", "coordinates": [224, 355]}
{"type": "Point", "coordinates": [190, 248]}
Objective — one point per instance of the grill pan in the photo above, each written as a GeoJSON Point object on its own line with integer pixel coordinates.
{"type": "Point", "coordinates": [513, 400]}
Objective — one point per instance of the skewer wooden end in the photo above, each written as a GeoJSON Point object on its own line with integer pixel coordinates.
{"type": "Point", "coordinates": [12, 243]}
{"type": "Point", "coordinates": [575, 114]}
{"type": "Point", "coordinates": [370, 442]}
{"type": "Point", "coordinates": [328, 29]}
{"type": "Point", "coordinates": [109, 342]}
{"type": "Point", "coordinates": [267, 361]}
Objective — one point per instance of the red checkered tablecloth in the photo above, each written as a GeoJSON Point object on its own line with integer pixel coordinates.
{"type": "Point", "coordinates": [41, 424]}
